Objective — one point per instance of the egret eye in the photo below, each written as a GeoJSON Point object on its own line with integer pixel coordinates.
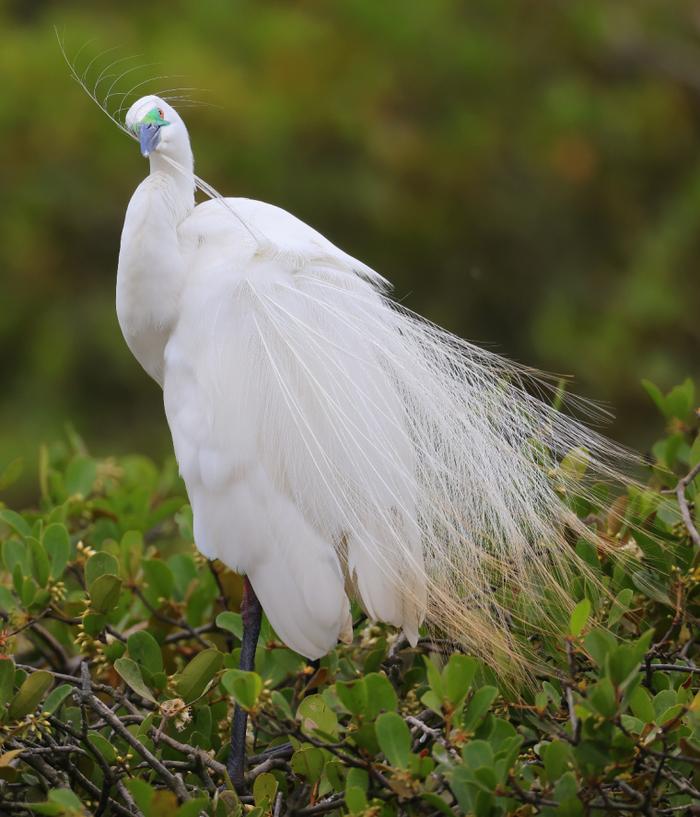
{"type": "Point", "coordinates": [160, 113]}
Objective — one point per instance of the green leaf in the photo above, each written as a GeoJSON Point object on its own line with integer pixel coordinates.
{"type": "Point", "coordinates": [623, 661]}
{"type": "Point", "coordinates": [49, 809]}
{"type": "Point", "coordinates": [394, 738]}
{"type": "Point", "coordinates": [80, 476]}
{"type": "Point", "coordinates": [159, 578]}
{"type": "Point", "coordinates": [601, 696]}
{"type": "Point", "coordinates": [195, 807]}
{"type": "Point", "coordinates": [11, 473]}
{"type": "Point", "coordinates": [29, 588]}
{"type": "Point", "coordinates": [487, 779]}
{"type": "Point", "coordinates": [100, 564]}
{"type": "Point", "coordinates": [557, 759]}
{"type": "Point", "coordinates": [355, 797]}
{"type": "Point", "coordinates": [641, 705]}
{"type": "Point", "coordinates": [457, 678]}
{"type": "Point", "coordinates": [104, 593]}
{"type": "Point", "coordinates": [579, 617]}
{"type": "Point", "coordinates": [15, 521]}
{"type": "Point", "coordinates": [265, 790]}
{"type": "Point", "coordinates": [436, 803]}
{"type": "Point", "coordinates": [680, 401]}
{"type": "Point", "coordinates": [353, 695]}
{"type": "Point", "coordinates": [129, 671]}
{"type": "Point", "coordinates": [477, 753]}
{"type": "Point", "coordinates": [656, 395]}
{"type": "Point", "coordinates": [7, 601]}
{"type": "Point", "coordinates": [184, 523]}
{"type": "Point", "coordinates": [566, 794]}
{"type": "Point", "coordinates": [103, 746]}
{"type": "Point", "coordinates": [229, 804]}
{"type": "Point", "coordinates": [317, 716]}
{"type": "Point", "coordinates": [434, 677]}
{"type": "Point", "coordinates": [598, 644]}
{"type": "Point", "coordinates": [670, 714]}
{"type": "Point", "coordinates": [193, 680]}
{"type": "Point", "coordinates": [145, 650]}
{"type": "Point", "coordinates": [131, 552]}
{"type": "Point", "coordinates": [7, 679]}
{"type": "Point", "coordinates": [39, 561]}
{"type": "Point", "coordinates": [184, 572]}
{"type": "Point", "coordinates": [232, 622]}
{"type": "Point", "coordinates": [308, 763]}
{"type": "Point", "coordinates": [29, 694]}
{"type": "Point", "coordinates": [56, 697]}
{"type": "Point", "coordinates": [333, 772]}
{"type": "Point", "coordinates": [14, 554]}
{"type": "Point", "coordinates": [142, 792]}
{"type": "Point", "coordinates": [694, 458]}
{"type": "Point", "coordinates": [61, 802]}
{"type": "Point", "coordinates": [478, 706]}
{"type": "Point", "coordinates": [380, 694]}
{"type": "Point", "coordinates": [620, 605]}
{"type": "Point", "coordinates": [94, 623]}
{"type": "Point", "coordinates": [57, 545]}
{"type": "Point", "coordinates": [244, 687]}
{"type": "Point", "coordinates": [357, 778]}
{"type": "Point", "coordinates": [648, 583]}
{"type": "Point", "coordinates": [431, 701]}
{"type": "Point", "coordinates": [367, 697]}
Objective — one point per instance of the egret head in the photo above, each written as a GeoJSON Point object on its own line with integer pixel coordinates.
{"type": "Point", "coordinates": [155, 124]}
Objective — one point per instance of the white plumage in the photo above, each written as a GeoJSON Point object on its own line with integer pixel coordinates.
{"type": "Point", "coordinates": [333, 444]}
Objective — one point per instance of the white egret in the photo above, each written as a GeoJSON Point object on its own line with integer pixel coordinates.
{"type": "Point", "coordinates": [334, 445]}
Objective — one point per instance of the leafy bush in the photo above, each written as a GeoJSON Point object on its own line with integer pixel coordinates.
{"type": "Point", "coordinates": [119, 661]}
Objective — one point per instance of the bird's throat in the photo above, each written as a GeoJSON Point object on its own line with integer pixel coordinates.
{"type": "Point", "coordinates": [179, 168]}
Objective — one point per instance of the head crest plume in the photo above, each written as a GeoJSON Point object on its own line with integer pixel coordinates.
{"type": "Point", "coordinates": [103, 83]}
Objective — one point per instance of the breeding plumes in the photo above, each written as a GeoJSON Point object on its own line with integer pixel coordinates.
{"type": "Point", "coordinates": [334, 445]}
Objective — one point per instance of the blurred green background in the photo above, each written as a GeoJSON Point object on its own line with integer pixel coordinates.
{"type": "Point", "coordinates": [527, 173]}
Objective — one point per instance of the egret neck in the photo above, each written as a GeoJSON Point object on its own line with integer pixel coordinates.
{"type": "Point", "coordinates": [151, 271]}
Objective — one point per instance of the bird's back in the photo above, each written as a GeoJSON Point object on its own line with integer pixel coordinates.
{"type": "Point", "coordinates": [288, 429]}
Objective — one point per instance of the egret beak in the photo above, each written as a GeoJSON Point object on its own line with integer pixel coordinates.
{"type": "Point", "coordinates": [149, 136]}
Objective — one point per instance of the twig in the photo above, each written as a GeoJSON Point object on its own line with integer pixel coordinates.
{"type": "Point", "coordinates": [675, 667]}
{"type": "Point", "coordinates": [168, 619]}
{"type": "Point", "coordinates": [265, 766]}
{"type": "Point", "coordinates": [682, 785]}
{"type": "Point", "coordinates": [528, 797]}
{"type": "Point", "coordinates": [125, 794]}
{"type": "Point", "coordinates": [427, 730]}
{"type": "Point", "coordinates": [217, 578]}
{"type": "Point", "coordinates": [321, 808]}
{"type": "Point", "coordinates": [51, 642]}
{"type": "Point", "coordinates": [47, 750]}
{"type": "Point", "coordinates": [172, 781]}
{"type": "Point", "coordinates": [192, 632]}
{"type": "Point", "coordinates": [285, 750]}
{"type": "Point", "coordinates": [186, 749]}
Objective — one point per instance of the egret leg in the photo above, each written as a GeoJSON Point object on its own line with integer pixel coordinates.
{"type": "Point", "coordinates": [251, 613]}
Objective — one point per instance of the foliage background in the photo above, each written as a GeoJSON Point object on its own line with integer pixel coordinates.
{"type": "Point", "coordinates": [526, 173]}
{"type": "Point", "coordinates": [119, 648]}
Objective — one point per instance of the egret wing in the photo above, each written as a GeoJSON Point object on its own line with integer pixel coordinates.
{"type": "Point", "coordinates": [290, 431]}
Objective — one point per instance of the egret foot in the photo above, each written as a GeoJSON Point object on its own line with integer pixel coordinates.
{"type": "Point", "coordinates": [251, 613]}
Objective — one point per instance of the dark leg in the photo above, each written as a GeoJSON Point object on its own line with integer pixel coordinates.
{"type": "Point", "coordinates": [251, 612]}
